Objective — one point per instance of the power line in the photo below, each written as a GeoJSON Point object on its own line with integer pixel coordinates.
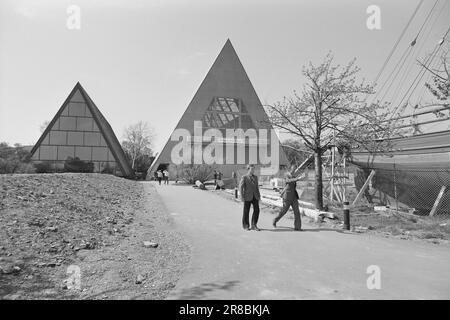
{"type": "Point", "coordinates": [390, 75]}
{"type": "Point", "coordinates": [397, 42]}
{"type": "Point", "coordinates": [424, 67]}
{"type": "Point", "coordinates": [403, 59]}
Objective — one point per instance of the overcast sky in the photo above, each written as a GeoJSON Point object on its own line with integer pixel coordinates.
{"type": "Point", "coordinates": [144, 60]}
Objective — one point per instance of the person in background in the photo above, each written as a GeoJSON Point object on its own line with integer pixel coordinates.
{"type": "Point", "coordinates": [166, 176]}
{"type": "Point", "coordinates": [250, 195]}
{"type": "Point", "coordinates": [215, 177]}
{"type": "Point", "coordinates": [290, 199]}
{"type": "Point", "coordinates": [159, 174]}
{"type": "Point", "coordinates": [235, 183]}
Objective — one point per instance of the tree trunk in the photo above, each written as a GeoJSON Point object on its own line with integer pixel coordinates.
{"type": "Point", "coordinates": [133, 162]}
{"type": "Point", "coordinates": [318, 186]}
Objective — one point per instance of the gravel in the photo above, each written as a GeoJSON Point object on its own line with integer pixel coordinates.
{"type": "Point", "coordinates": [53, 224]}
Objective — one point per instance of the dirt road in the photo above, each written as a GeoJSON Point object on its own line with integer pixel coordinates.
{"type": "Point", "coordinates": [230, 263]}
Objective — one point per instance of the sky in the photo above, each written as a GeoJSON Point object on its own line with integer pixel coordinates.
{"type": "Point", "coordinates": [144, 60]}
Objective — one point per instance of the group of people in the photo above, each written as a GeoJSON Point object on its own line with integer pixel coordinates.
{"type": "Point", "coordinates": [250, 195]}
{"type": "Point", "coordinates": [162, 175]}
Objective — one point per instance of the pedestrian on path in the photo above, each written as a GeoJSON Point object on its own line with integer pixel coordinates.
{"type": "Point", "coordinates": [219, 182]}
{"type": "Point", "coordinates": [160, 176]}
{"type": "Point", "coordinates": [215, 177]}
{"type": "Point", "coordinates": [290, 199]}
{"type": "Point", "coordinates": [250, 195]}
{"type": "Point", "coordinates": [166, 176]}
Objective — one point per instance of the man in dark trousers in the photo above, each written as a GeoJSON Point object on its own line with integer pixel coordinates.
{"type": "Point", "coordinates": [250, 195]}
{"type": "Point", "coordinates": [290, 199]}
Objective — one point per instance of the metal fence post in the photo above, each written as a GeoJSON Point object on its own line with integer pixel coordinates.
{"type": "Point", "coordinates": [395, 189]}
{"type": "Point", "coordinates": [346, 215]}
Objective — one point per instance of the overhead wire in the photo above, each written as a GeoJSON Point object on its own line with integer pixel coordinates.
{"type": "Point", "coordinates": [414, 41]}
{"type": "Point", "coordinates": [397, 42]}
{"type": "Point", "coordinates": [408, 51]}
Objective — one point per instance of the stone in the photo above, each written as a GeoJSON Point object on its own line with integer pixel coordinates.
{"type": "Point", "coordinates": [149, 244]}
{"type": "Point", "coordinates": [139, 279]}
{"type": "Point", "coordinates": [49, 292]}
{"type": "Point", "coordinates": [12, 297]}
{"type": "Point", "coordinates": [10, 269]}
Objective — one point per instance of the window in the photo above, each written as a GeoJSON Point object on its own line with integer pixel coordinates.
{"type": "Point", "coordinates": [227, 113]}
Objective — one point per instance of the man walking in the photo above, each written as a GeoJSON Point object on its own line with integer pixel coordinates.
{"type": "Point", "coordinates": [250, 195]}
{"type": "Point", "coordinates": [290, 199]}
{"type": "Point", "coordinates": [159, 175]}
{"type": "Point", "coordinates": [166, 176]}
{"type": "Point", "coordinates": [215, 178]}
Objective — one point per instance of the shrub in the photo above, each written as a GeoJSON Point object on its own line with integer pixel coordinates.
{"type": "Point", "coordinates": [43, 167]}
{"type": "Point", "coordinates": [26, 168]}
{"type": "Point", "coordinates": [193, 172]}
{"type": "Point", "coordinates": [77, 165]}
{"type": "Point", "coordinates": [108, 169]}
{"type": "Point", "coordinates": [13, 159]}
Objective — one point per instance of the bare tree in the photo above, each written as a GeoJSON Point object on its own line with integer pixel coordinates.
{"type": "Point", "coordinates": [331, 108]}
{"type": "Point", "coordinates": [138, 142]}
{"type": "Point", "coordinates": [440, 86]}
{"type": "Point", "coordinates": [44, 125]}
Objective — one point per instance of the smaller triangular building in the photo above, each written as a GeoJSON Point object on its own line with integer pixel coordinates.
{"type": "Point", "coordinates": [226, 99]}
{"type": "Point", "coordinates": [80, 130]}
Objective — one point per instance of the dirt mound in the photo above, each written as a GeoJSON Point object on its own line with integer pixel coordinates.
{"type": "Point", "coordinates": [53, 223]}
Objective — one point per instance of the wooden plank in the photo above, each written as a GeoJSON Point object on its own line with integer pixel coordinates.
{"type": "Point", "coordinates": [438, 201]}
{"type": "Point", "coordinates": [304, 164]}
{"type": "Point", "coordinates": [364, 187]}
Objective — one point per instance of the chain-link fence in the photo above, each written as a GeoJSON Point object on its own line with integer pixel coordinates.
{"type": "Point", "coordinates": [400, 200]}
{"type": "Point", "coordinates": [422, 191]}
{"type": "Point", "coordinates": [419, 191]}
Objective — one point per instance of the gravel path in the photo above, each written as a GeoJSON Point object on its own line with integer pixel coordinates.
{"type": "Point", "coordinates": [230, 263]}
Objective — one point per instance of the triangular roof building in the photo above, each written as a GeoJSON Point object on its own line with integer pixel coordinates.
{"type": "Point", "coordinates": [225, 99]}
{"type": "Point", "coordinates": [80, 130]}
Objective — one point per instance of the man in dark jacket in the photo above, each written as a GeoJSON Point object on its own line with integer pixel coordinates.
{"type": "Point", "coordinates": [290, 199]}
{"type": "Point", "coordinates": [250, 195]}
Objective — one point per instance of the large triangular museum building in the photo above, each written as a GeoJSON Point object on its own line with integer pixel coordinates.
{"type": "Point", "coordinates": [225, 99]}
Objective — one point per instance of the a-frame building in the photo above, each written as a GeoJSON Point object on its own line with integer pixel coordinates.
{"type": "Point", "coordinates": [80, 130]}
{"type": "Point", "coordinates": [225, 99]}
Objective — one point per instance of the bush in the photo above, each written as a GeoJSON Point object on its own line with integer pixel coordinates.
{"type": "Point", "coordinates": [13, 159]}
{"type": "Point", "coordinates": [26, 168]}
{"type": "Point", "coordinates": [7, 166]}
{"type": "Point", "coordinates": [193, 172]}
{"type": "Point", "coordinates": [77, 165]}
{"type": "Point", "coordinates": [108, 169]}
{"type": "Point", "coordinates": [43, 167]}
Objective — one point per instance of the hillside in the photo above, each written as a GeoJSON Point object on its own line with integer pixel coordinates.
{"type": "Point", "coordinates": [53, 224]}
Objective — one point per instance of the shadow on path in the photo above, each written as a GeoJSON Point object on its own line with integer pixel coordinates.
{"type": "Point", "coordinates": [205, 289]}
{"type": "Point", "coordinates": [284, 229]}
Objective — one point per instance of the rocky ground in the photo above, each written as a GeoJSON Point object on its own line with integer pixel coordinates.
{"type": "Point", "coordinates": [85, 236]}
